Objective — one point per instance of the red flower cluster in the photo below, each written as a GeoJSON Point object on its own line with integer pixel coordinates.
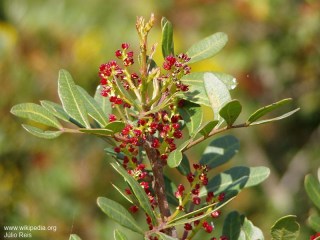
{"type": "Point", "coordinates": [315, 236]}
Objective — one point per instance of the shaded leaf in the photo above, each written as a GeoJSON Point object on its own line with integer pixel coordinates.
{"type": "Point", "coordinates": [232, 226]}
{"type": "Point", "coordinates": [192, 115]}
{"type": "Point", "coordinates": [41, 133]}
{"type": "Point", "coordinates": [249, 231]}
{"type": "Point", "coordinates": [235, 179]}
{"type": "Point", "coordinates": [219, 151]}
{"type": "Point", "coordinates": [122, 193]}
{"type": "Point", "coordinates": [207, 47]}
{"type": "Point", "coordinates": [118, 213]}
{"type": "Point", "coordinates": [314, 222]}
{"type": "Point", "coordinates": [286, 228]}
{"type": "Point", "coordinates": [208, 127]}
{"type": "Point", "coordinates": [165, 236]}
{"type": "Point", "coordinates": [171, 188]}
{"type": "Point", "coordinates": [167, 38]}
{"type": "Point", "coordinates": [276, 118]}
{"type": "Point", "coordinates": [264, 110]}
{"type": "Point", "coordinates": [93, 108]}
{"type": "Point", "coordinates": [184, 167]}
{"type": "Point", "coordinates": [74, 237]}
{"type": "Point", "coordinates": [312, 187]}
{"type": "Point", "coordinates": [103, 102]}
{"type": "Point", "coordinates": [231, 111]}
{"type": "Point", "coordinates": [118, 235]}
{"type": "Point", "coordinates": [35, 113]}
{"type": "Point", "coordinates": [197, 92]}
{"type": "Point", "coordinates": [137, 190]}
{"type": "Point", "coordinates": [71, 99]}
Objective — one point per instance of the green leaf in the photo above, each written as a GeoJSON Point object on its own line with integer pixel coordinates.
{"type": "Point", "coordinates": [175, 157]}
{"type": "Point", "coordinates": [165, 236]}
{"type": "Point", "coordinates": [217, 92]}
{"type": "Point", "coordinates": [208, 127]}
{"type": "Point", "coordinates": [286, 228]}
{"type": "Point", "coordinates": [103, 102]}
{"type": "Point", "coordinates": [184, 167]}
{"type": "Point", "coordinates": [71, 99]}
{"type": "Point", "coordinates": [118, 213]}
{"type": "Point", "coordinates": [97, 131]}
{"type": "Point", "coordinates": [197, 92]}
{"type": "Point", "coordinates": [207, 47]}
{"type": "Point", "coordinates": [74, 237]}
{"type": "Point", "coordinates": [167, 38]}
{"type": "Point", "coordinates": [314, 222]}
{"type": "Point", "coordinates": [35, 113]}
{"type": "Point", "coordinates": [192, 115]}
{"type": "Point", "coordinates": [312, 187]}
{"type": "Point", "coordinates": [276, 118]}
{"type": "Point", "coordinates": [118, 235]}
{"type": "Point", "coordinates": [219, 151]}
{"type": "Point", "coordinates": [236, 179]}
{"type": "Point", "coordinates": [93, 108]}
{"type": "Point", "coordinates": [232, 226]}
{"type": "Point", "coordinates": [263, 111]}
{"type": "Point", "coordinates": [171, 188]}
{"type": "Point", "coordinates": [41, 133]}
{"type": "Point", "coordinates": [116, 126]}
{"type": "Point", "coordinates": [122, 193]}
{"type": "Point", "coordinates": [137, 190]}
{"type": "Point", "coordinates": [249, 231]}
{"type": "Point", "coordinates": [56, 110]}
{"type": "Point", "coordinates": [231, 111]}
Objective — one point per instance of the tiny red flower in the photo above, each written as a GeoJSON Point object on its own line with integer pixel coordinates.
{"type": "Point", "coordinates": [133, 209]}
{"type": "Point", "coordinates": [196, 200]}
{"type": "Point", "coordinates": [215, 214]}
{"type": "Point", "coordinates": [125, 46]}
{"type": "Point", "coordinates": [188, 227]}
{"type": "Point", "coordinates": [112, 117]}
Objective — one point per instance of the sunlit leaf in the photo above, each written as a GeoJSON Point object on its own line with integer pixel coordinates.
{"type": "Point", "coordinates": [192, 115]}
{"type": "Point", "coordinates": [175, 157]}
{"type": "Point", "coordinates": [93, 108]}
{"type": "Point", "coordinates": [276, 118]}
{"type": "Point", "coordinates": [231, 111]}
{"type": "Point", "coordinates": [35, 113]}
{"type": "Point", "coordinates": [103, 102]}
{"type": "Point", "coordinates": [208, 127]}
{"type": "Point", "coordinates": [167, 38]}
{"type": "Point", "coordinates": [286, 228]}
{"type": "Point", "coordinates": [118, 235]}
{"type": "Point", "coordinates": [47, 134]}
{"type": "Point", "coordinates": [115, 126]}
{"type": "Point", "coordinates": [207, 47]}
{"type": "Point", "coordinates": [118, 213]}
{"type": "Point", "coordinates": [71, 99]}
{"type": "Point", "coordinates": [217, 92]}
{"type": "Point", "coordinates": [312, 187]}
{"type": "Point", "coordinates": [235, 179]}
{"type": "Point", "coordinates": [249, 231]}
{"type": "Point", "coordinates": [219, 151]}
{"type": "Point", "coordinates": [197, 92]}
{"type": "Point", "coordinates": [166, 237]}
{"type": "Point", "coordinates": [74, 237]}
{"type": "Point", "coordinates": [314, 222]}
{"type": "Point", "coordinates": [55, 109]}
{"type": "Point", "coordinates": [264, 110]}
{"type": "Point", "coordinates": [137, 190]}
{"type": "Point", "coordinates": [97, 131]}
{"type": "Point", "coordinates": [232, 226]}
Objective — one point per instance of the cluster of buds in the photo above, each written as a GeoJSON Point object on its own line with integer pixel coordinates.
{"type": "Point", "coordinates": [177, 67]}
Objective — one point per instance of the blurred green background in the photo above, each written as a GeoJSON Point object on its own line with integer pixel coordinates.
{"type": "Point", "coordinates": [273, 51]}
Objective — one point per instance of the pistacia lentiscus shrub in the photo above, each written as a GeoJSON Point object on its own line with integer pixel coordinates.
{"type": "Point", "coordinates": [149, 114]}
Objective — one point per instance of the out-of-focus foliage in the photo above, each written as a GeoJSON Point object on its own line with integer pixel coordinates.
{"type": "Point", "coordinates": [273, 51]}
